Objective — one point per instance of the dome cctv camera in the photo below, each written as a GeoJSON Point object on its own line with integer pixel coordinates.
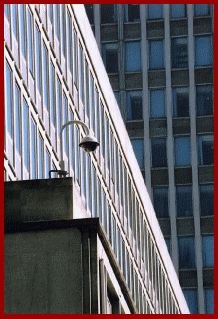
{"type": "Point", "coordinates": [89, 143]}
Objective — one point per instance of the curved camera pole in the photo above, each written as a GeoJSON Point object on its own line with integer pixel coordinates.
{"type": "Point", "coordinates": [62, 172]}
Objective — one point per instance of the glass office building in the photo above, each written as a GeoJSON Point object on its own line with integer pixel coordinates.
{"type": "Point", "coordinates": [54, 73]}
{"type": "Point", "coordinates": [164, 88]}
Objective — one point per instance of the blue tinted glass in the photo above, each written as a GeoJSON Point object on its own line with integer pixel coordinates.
{"type": "Point", "coordinates": [38, 60]}
{"type": "Point", "coordinates": [160, 200]}
{"type": "Point", "coordinates": [182, 151]}
{"type": "Point", "coordinates": [17, 118]}
{"type": "Point", "coordinates": [96, 115]}
{"type": "Point", "coordinates": [159, 152]}
{"type": "Point", "coordinates": [6, 10]}
{"type": "Point", "coordinates": [207, 200]}
{"type": "Point", "coordinates": [204, 100]}
{"type": "Point", "coordinates": [156, 55]}
{"type": "Point", "coordinates": [186, 252]}
{"type": "Point", "coordinates": [56, 20]}
{"type": "Point", "coordinates": [30, 40]}
{"type": "Point", "coordinates": [47, 163]}
{"type": "Point", "coordinates": [157, 103]}
{"type": "Point", "coordinates": [138, 147]}
{"type": "Point", "coordinates": [9, 101]}
{"type": "Point", "coordinates": [191, 297]}
{"type": "Point", "coordinates": [22, 30]}
{"type": "Point", "coordinates": [155, 11]}
{"type": "Point", "coordinates": [202, 9]}
{"type": "Point", "coordinates": [14, 20]}
{"type": "Point", "coordinates": [69, 42]}
{"type": "Point", "coordinates": [181, 102]}
{"type": "Point", "coordinates": [103, 199]}
{"type": "Point", "coordinates": [71, 141]}
{"type": "Point", "coordinates": [58, 107]}
{"type": "Point", "coordinates": [184, 201]}
{"type": "Point", "coordinates": [74, 57]}
{"type": "Point", "coordinates": [133, 56]}
{"type": "Point", "coordinates": [178, 10]}
{"type": "Point", "coordinates": [52, 94]}
{"type": "Point", "coordinates": [76, 153]}
{"type": "Point", "coordinates": [208, 251]}
{"type": "Point", "coordinates": [45, 76]}
{"type": "Point", "coordinates": [50, 11]}
{"type": "Point", "coordinates": [33, 150]}
{"type": "Point", "coordinates": [63, 42]}
{"type": "Point", "coordinates": [25, 134]}
{"type": "Point", "coordinates": [134, 105]}
{"type": "Point", "coordinates": [203, 51]}
{"type": "Point", "coordinates": [91, 99]}
{"type": "Point", "coordinates": [102, 136]}
{"type": "Point", "coordinates": [98, 199]}
{"type": "Point", "coordinates": [107, 141]}
{"type": "Point", "coordinates": [40, 150]}
{"type": "Point", "coordinates": [209, 298]}
{"type": "Point", "coordinates": [81, 74]}
{"type": "Point", "coordinates": [64, 110]}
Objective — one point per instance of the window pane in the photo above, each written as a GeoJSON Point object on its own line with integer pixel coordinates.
{"type": "Point", "coordinates": [133, 56]}
{"type": "Point", "coordinates": [30, 40]}
{"type": "Point", "coordinates": [52, 93]}
{"type": "Point", "coordinates": [108, 13]}
{"type": "Point", "coordinates": [45, 76]}
{"type": "Point", "coordinates": [69, 42]}
{"type": "Point", "coordinates": [40, 152]}
{"type": "Point", "coordinates": [47, 163]}
{"type": "Point", "coordinates": [157, 103]}
{"type": "Point", "coordinates": [160, 200]}
{"type": "Point", "coordinates": [17, 119]}
{"type": "Point", "coordinates": [33, 149]}
{"type": "Point", "coordinates": [6, 10]}
{"type": "Point", "coordinates": [26, 134]}
{"type": "Point", "coordinates": [134, 105]}
{"type": "Point", "coordinates": [138, 147]}
{"type": "Point", "coordinates": [110, 57]}
{"type": "Point", "coordinates": [208, 251]}
{"type": "Point", "coordinates": [56, 20]}
{"type": "Point", "coordinates": [207, 200]}
{"type": "Point", "coordinates": [204, 100]}
{"type": "Point", "coordinates": [181, 102]}
{"type": "Point", "coordinates": [156, 55]}
{"type": "Point", "coordinates": [9, 101]}
{"type": "Point", "coordinates": [182, 151]}
{"type": "Point", "coordinates": [155, 11]}
{"type": "Point", "coordinates": [132, 12]}
{"type": "Point", "coordinates": [76, 143]}
{"type": "Point", "coordinates": [94, 213]}
{"type": "Point", "coordinates": [38, 59]}
{"type": "Point", "coordinates": [159, 153]}
{"type": "Point", "coordinates": [209, 298]}
{"type": "Point", "coordinates": [184, 201]}
{"type": "Point", "coordinates": [191, 297]}
{"type": "Point", "coordinates": [179, 51]}
{"type": "Point", "coordinates": [88, 194]}
{"type": "Point", "coordinates": [81, 88]}
{"type": "Point", "coordinates": [22, 30]}
{"type": "Point", "coordinates": [203, 51]}
{"type": "Point", "coordinates": [91, 99]}
{"type": "Point", "coordinates": [90, 12]}
{"type": "Point", "coordinates": [186, 252]}
{"type": "Point", "coordinates": [202, 10]}
{"type": "Point", "coordinates": [206, 149]}
{"type": "Point", "coordinates": [178, 10]}
{"type": "Point", "coordinates": [58, 107]}
{"type": "Point", "coordinates": [14, 20]}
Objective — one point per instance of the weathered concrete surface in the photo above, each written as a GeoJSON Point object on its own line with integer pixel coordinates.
{"type": "Point", "coordinates": [41, 199]}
